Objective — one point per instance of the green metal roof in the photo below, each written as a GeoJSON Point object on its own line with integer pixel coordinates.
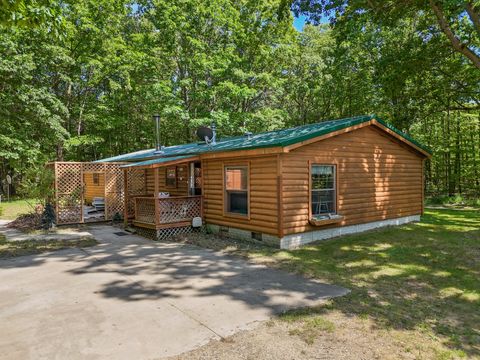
{"type": "Point", "coordinates": [268, 139]}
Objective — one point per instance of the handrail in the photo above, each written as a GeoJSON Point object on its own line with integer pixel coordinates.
{"type": "Point", "coordinates": [173, 209]}
{"type": "Point", "coordinates": [167, 197]}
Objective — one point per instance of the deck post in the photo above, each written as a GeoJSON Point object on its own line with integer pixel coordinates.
{"type": "Point", "coordinates": [155, 196]}
{"type": "Point", "coordinates": [126, 197]}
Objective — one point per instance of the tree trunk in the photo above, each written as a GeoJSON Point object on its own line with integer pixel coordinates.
{"type": "Point", "coordinates": [454, 41]}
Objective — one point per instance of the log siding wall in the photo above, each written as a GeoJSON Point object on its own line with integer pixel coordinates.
{"type": "Point", "coordinates": [263, 194]}
{"type": "Point", "coordinates": [377, 178]}
{"type": "Point", "coordinates": [92, 190]}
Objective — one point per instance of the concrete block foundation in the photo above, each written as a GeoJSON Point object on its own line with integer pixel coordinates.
{"type": "Point", "coordinates": [294, 241]}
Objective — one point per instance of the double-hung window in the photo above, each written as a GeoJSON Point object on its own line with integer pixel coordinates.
{"type": "Point", "coordinates": [323, 191]}
{"type": "Point", "coordinates": [236, 189]}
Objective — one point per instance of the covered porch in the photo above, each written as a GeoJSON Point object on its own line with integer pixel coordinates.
{"type": "Point", "coordinates": [164, 193]}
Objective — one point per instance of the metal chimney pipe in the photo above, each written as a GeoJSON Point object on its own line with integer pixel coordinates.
{"type": "Point", "coordinates": [214, 131]}
{"type": "Point", "coordinates": [158, 146]}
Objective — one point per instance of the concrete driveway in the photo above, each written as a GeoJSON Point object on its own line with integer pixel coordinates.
{"type": "Point", "coordinates": [131, 298]}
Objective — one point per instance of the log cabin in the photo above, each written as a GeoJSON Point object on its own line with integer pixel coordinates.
{"type": "Point", "coordinates": [285, 188]}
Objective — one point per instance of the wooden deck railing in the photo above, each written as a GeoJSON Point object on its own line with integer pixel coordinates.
{"type": "Point", "coordinates": [145, 209]}
{"type": "Point", "coordinates": [171, 210]}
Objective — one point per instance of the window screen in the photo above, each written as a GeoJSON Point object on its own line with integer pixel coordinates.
{"type": "Point", "coordinates": [96, 178]}
{"type": "Point", "coordinates": [323, 190]}
{"type": "Point", "coordinates": [236, 189]}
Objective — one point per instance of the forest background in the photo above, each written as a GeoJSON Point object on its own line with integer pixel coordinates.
{"type": "Point", "coordinates": [80, 80]}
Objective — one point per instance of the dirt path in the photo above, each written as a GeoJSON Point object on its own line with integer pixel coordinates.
{"type": "Point", "coordinates": [350, 338]}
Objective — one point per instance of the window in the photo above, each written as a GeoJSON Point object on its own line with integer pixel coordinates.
{"type": "Point", "coordinates": [171, 177]}
{"type": "Point", "coordinates": [96, 178]}
{"type": "Point", "coordinates": [236, 189]}
{"type": "Point", "coordinates": [323, 190]}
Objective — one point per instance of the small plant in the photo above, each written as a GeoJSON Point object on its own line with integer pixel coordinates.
{"type": "Point", "coordinates": [48, 217]}
{"type": "Point", "coordinates": [117, 217]}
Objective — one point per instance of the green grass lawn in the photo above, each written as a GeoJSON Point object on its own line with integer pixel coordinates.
{"type": "Point", "coordinates": [10, 210]}
{"type": "Point", "coordinates": [420, 281]}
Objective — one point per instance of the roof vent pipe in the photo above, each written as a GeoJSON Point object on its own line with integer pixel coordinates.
{"type": "Point", "coordinates": [158, 146]}
{"type": "Point", "coordinates": [214, 131]}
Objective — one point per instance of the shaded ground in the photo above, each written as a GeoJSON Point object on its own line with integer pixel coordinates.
{"type": "Point", "coordinates": [131, 298]}
{"type": "Point", "coordinates": [15, 243]}
{"type": "Point", "coordinates": [415, 289]}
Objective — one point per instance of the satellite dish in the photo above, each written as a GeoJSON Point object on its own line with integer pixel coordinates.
{"type": "Point", "coordinates": [204, 133]}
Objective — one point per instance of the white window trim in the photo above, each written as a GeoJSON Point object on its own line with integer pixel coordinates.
{"type": "Point", "coordinates": [334, 189]}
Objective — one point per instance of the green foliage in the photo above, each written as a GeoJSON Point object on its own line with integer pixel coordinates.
{"type": "Point", "coordinates": [455, 23]}
{"type": "Point", "coordinates": [29, 13]}
{"type": "Point", "coordinates": [37, 184]}
{"type": "Point", "coordinates": [457, 200]}
{"type": "Point", "coordinates": [90, 91]}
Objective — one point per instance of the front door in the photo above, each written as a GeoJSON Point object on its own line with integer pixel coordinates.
{"type": "Point", "coordinates": [195, 180]}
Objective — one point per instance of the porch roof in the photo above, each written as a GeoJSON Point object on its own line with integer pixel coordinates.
{"type": "Point", "coordinates": [163, 161]}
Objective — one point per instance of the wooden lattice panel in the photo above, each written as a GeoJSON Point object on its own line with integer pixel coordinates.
{"type": "Point", "coordinates": [136, 186]}
{"type": "Point", "coordinates": [114, 191]}
{"type": "Point", "coordinates": [145, 210]}
{"type": "Point", "coordinates": [178, 209]}
{"type": "Point", "coordinates": [169, 234]}
{"type": "Point", "coordinates": [93, 167]}
{"type": "Point", "coordinates": [69, 192]}
{"type": "Point", "coordinates": [69, 179]}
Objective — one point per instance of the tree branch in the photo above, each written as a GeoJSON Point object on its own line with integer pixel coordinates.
{"type": "Point", "coordinates": [473, 15]}
{"type": "Point", "coordinates": [456, 43]}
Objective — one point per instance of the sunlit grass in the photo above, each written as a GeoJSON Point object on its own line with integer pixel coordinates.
{"type": "Point", "coordinates": [403, 277]}
{"type": "Point", "coordinates": [10, 210]}
{"type": "Point", "coordinates": [421, 280]}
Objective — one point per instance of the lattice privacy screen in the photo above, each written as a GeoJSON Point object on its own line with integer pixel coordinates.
{"type": "Point", "coordinates": [114, 191]}
{"type": "Point", "coordinates": [136, 186]}
{"type": "Point", "coordinates": [69, 190]}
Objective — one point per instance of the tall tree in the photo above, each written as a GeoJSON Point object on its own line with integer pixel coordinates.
{"type": "Point", "coordinates": [459, 21]}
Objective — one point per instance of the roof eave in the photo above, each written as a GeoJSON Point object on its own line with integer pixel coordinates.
{"type": "Point", "coordinates": [163, 164]}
